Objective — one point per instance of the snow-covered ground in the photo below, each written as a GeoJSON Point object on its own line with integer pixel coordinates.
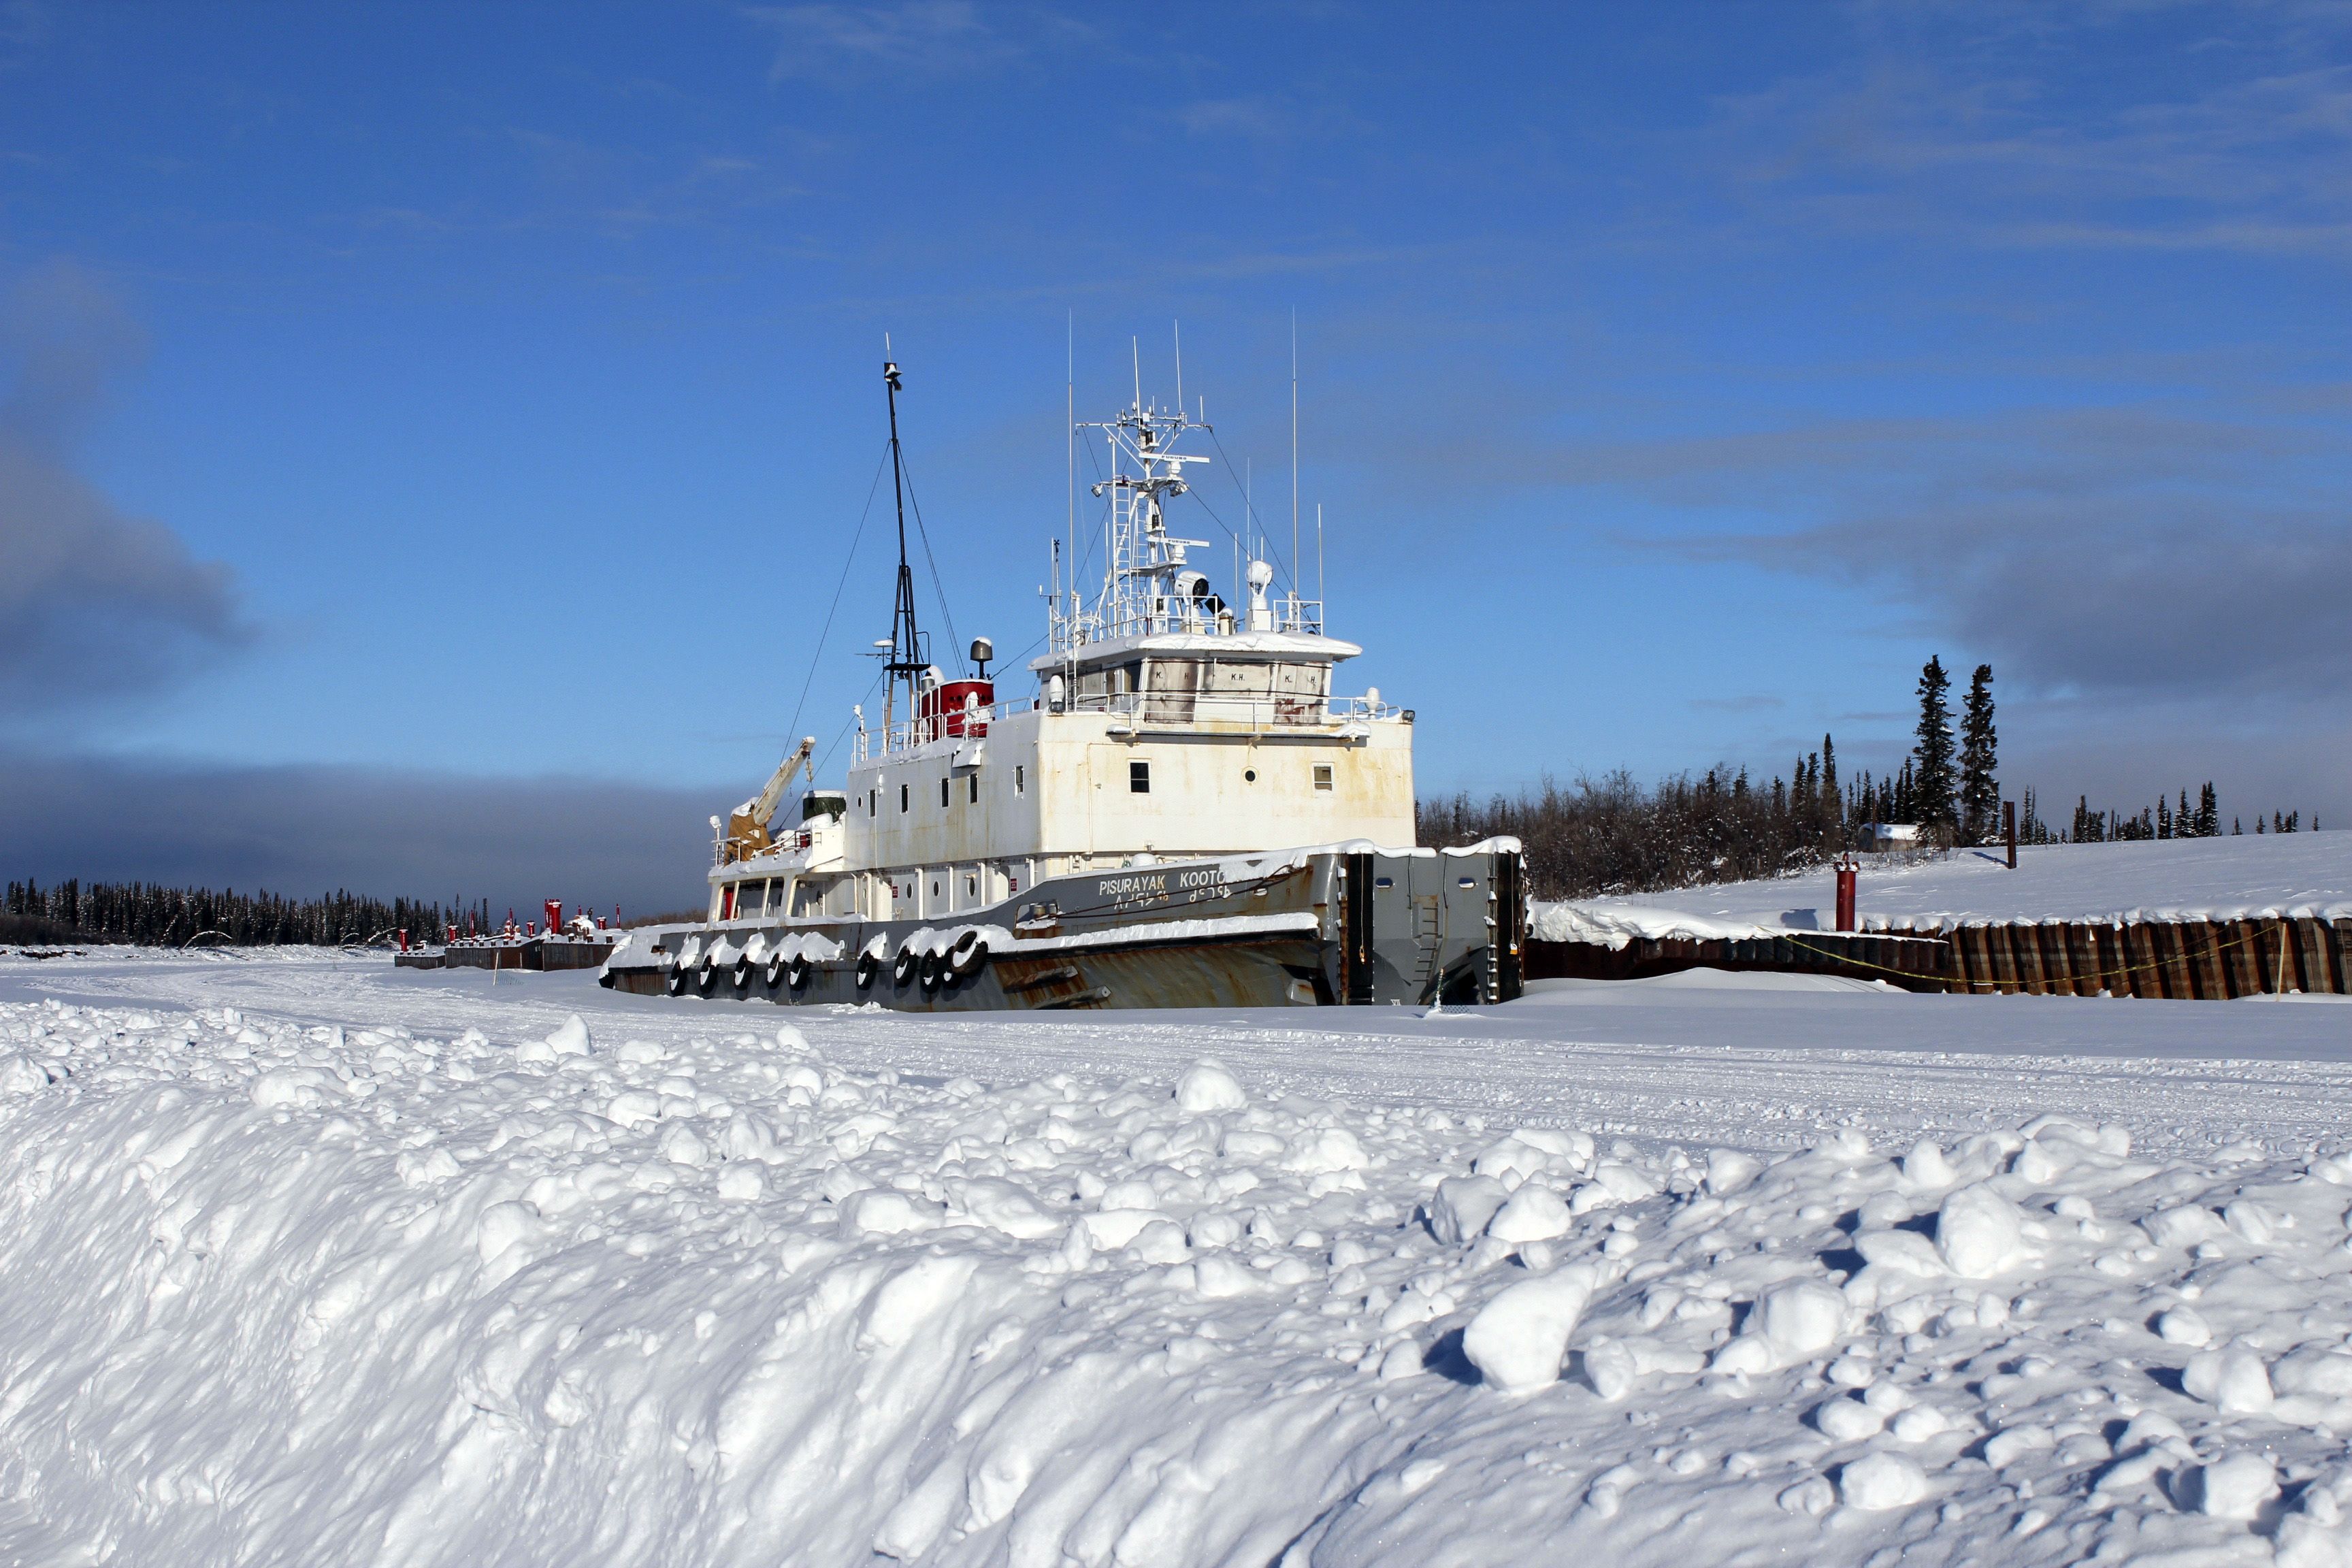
{"type": "Point", "coordinates": [310, 1261]}
{"type": "Point", "coordinates": [2181, 879]}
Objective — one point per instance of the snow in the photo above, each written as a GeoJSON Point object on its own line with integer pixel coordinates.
{"type": "Point", "coordinates": [312, 1260]}
{"type": "Point", "coordinates": [2182, 878]}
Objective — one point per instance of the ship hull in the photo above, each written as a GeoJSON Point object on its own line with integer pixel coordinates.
{"type": "Point", "coordinates": [1302, 928]}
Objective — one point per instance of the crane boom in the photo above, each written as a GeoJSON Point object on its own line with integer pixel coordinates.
{"type": "Point", "coordinates": [747, 825]}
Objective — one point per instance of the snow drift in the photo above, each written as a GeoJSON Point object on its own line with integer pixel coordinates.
{"type": "Point", "coordinates": [289, 1293]}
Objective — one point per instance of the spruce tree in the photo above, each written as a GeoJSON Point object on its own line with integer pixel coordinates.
{"type": "Point", "coordinates": [1932, 782]}
{"type": "Point", "coordinates": [1979, 759]}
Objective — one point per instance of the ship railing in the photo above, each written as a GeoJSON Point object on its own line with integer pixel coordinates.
{"type": "Point", "coordinates": [962, 723]}
{"type": "Point", "coordinates": [1167, 616]}
{"type": "Point", "coordinates": [1260, 712]}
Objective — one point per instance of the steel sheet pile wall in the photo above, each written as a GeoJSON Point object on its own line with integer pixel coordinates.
{"type": "Point", "coordinates": [2179, 960]}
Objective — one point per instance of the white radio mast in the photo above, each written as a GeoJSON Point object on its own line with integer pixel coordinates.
{"type": "Point", "coordinates": [1294, 452]}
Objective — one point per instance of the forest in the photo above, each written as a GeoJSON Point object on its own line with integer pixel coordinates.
{"type": "Point", "coordinates": [1612, 835]}
{"type": "Point", "coordinates": [156, 916]}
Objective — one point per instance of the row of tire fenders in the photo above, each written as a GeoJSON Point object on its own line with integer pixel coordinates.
{"type": "Point", "coordinates": [927, 957]}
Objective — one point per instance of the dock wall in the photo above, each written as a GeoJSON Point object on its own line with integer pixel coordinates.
{"type": "Point", "coordinates": [2174, 960]}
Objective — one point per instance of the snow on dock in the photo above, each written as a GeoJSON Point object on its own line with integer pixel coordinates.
{"type": "Point", "coordinates": [2306, 875]}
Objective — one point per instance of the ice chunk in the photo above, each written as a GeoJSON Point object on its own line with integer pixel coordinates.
{"type": "Point", "coordinates": [1220, 1278]}
{"type": "Point", "coordinates": [680, 1145]}
{"type": "Point", "coordinates": [742, 1183]}
{"type": "Point", "coordinates": [1573, 1148]}
{"type": "Point", "coordinates": [2234, 1488]}
{"type": "Point", "coordinates": [1801, 1317]}
{"type": "Point", "coordinates": [1510, 1162]}
{"type": "Point", "coordinates": [1624, 1182]}
{"type": "Point", "coordinates": [1884, 1480]}
{"type": "Point", "coordinates": [2235, 1382]}
{"type": "Point", "coordinates": [1979, 1234]}
{"type": "Point", "coordinates": [1463, 1206]}
{"type": "Point", "coordinates": [1244, 1145]}
{"type": "Point", "coordinates": [2184, 1227]}
{"type": "Point", "coordinates": [1616, 1367]}
{"type": "Point", "coordinates": [1519, 1337]}
{"type": "Point", "coordinates": [1326, 1149]}
{"type": "Point", "coordinates": [1848, 1421]}
{"type": "Point", "coordinates": [2006, 1448]}
{"type": "Point", "coordinates": [1926, 1167]}
{"type": "Point", "coordinates": [2184, 1326]}
{"type": "Point", "coordinates": [1161, 1244]}
{"type": "Point", "coordinates": [1748, 1354]}
{"type": "Point", "coordinates": [302, 1087]}
{"type": "Point", "coordinates": [1813, 1495]}
{"type": "Point", "coordinates": [569, 1038]}
{"type": "Point", "coordinates": [1728, 1170]}
{"type": "Point", "coordinates": [1920, 1422]}
{"type": "Point", "coordinates": [1001, 1205]}
{"type": "Point", "coordinates": [885, 1211]}
{"type": "Point", "coordinates": [1535, 1213]}
{"type": "Point", "coordinates": [1903, 1252]}
{"type": "Point", "coordinates": [1110, 1229]}
{"type": "Point", "coordinates": [2324, 1370]}
{"type": "Point", "coordinates": [1206, 1086]}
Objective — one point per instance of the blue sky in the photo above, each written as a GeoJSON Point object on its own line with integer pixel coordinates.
{"type": "Point", "coordinates": [467, 395]}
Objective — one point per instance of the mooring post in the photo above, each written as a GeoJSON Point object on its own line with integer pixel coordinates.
{"type": "Point", "coordinates": [2009, 830]}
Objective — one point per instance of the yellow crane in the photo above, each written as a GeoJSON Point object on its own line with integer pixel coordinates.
{"type": "Point", "coordinates": [747, 825]}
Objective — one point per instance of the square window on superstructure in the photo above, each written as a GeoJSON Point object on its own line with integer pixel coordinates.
{"type": "Point", "coordinates": [1138, 778]}
{"type": "Point", "coordinates": [1322, 775]}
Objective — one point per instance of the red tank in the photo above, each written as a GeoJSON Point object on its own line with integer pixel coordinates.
{"type": "Point", "coordinates": [941, 708]}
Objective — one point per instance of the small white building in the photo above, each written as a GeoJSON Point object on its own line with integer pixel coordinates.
{"type": "Point", "coordinates": [1878, 837]}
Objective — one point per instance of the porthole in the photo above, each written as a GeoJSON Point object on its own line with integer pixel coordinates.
{"type": "Point", "coordinates": [1250, 776]}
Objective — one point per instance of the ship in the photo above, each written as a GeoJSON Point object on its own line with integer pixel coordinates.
{"type": "Point", "coordinates": [1182, 812]}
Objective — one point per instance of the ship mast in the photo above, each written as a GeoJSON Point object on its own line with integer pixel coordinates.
{"type": "Point", "coordinates": [908, 659]}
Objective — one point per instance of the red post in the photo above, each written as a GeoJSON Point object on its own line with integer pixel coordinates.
{"type": "Point", "coordinates": [554, 916]}
{"type": "Point", "coordinates": [2009, 830]}
{"type": "Point", "coordinates": [1845, 874]}
{"type": "Point", "coordinates": [404, 940]}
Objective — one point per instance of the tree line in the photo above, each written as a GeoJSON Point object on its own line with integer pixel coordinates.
{"type": "Point", "coordinates": [1610, 835]}
{"type": "Point", "coordinates": [152, 915]}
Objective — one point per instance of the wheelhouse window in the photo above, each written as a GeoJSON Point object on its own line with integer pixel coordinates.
{"type": "Point", "coordinates": [1322, 775]}
{"type": "Point", "coordinates": [1138, 778]}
